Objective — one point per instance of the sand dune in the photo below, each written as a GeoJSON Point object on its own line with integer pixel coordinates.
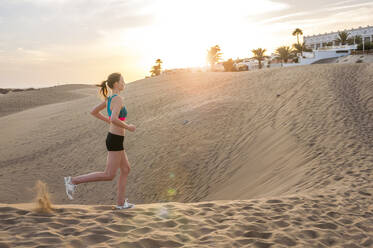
{"type": "Point", "coordinates": [273, 158]}
{"type": "Point", "coordinates": [18, 101]}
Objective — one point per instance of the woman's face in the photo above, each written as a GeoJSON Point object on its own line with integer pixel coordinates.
{"type": "Point", "coordinates": [121, 84]}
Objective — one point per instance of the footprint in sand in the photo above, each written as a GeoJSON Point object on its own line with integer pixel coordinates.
{"type": "Point", "coordinates": [326, 225]}
{"type": "Point", "coordinates": [68, 231]}
{"type": "Point", "coordinates": [95, 238]}
{"type": "Point", "coordinates": [142, 230]}
{"type": "Point", "coordinates": [261, 244]}
{"type": "Point", "coordinates": [104, 220]}
{"type": "Point", "coordinates": [149, 242]}
{"type": "Point", "coordinates": [255, 234]}
{"type": "Point", "coordinates": [309, 234]}
{"type": "Point", "coordinates": [69, 221]}
{"type": "Point", "coordinates": [121, 228]}
{"type": "Point", "coordinates": [99, 230]}
{"type": "Point", "coordinates": [284, 240]}
{"type": "Point", "coordinates": [281, 223]}
{"type": "Point", "coordinates": [49, 241]}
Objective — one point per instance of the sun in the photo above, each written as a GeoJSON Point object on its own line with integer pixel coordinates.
{"type": "Point", "coordinates": [183, 31]}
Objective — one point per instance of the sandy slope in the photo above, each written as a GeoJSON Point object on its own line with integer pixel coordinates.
{"type": "Point", "coordinates": [362, 58]}
{"type": "Point", "coordinates": [13, 102]}
{"type": "Point", "coordinates": [287, 145]}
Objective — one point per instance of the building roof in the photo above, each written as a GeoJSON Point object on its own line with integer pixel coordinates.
{"type": "Point", "coordinates": [336, 32]}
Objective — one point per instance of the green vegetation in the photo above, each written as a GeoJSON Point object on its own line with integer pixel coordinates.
{"type": "Point", "coordinates": [343, 38]}
{"type": "Point", "coordinates": [300, 48]}
{"type": "Point", "coordinates": [157, 68]}
{"type": "Point", "coordinates": [354, 40]}
{"type": "Point", "coordinates": [297, 32]}
{"type": "Point", "coordinates": [229, 65]}
{"type": "Point", "coordinates": [284, 53]}
{"type": "Point", "coordinates": [213, 56]}
{"type": "Point", "coordinates": [367, 46]}
{"type": "Point", "coordinates": [259, 54]}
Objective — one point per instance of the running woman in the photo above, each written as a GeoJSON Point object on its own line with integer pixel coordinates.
{"type": "Point", "coordinates": [116, 157]}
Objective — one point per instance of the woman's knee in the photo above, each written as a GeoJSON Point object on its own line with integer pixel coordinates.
{"type": "Point", "coordinates": [125, 170]}
{"type": "Point", "coordinates": [109, 177]}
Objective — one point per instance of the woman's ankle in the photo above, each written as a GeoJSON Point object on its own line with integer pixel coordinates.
{"type": "Point", "coordinates": [73, 181]}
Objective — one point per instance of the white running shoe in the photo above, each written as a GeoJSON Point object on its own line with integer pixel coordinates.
{"type": "Point", "coordinates": [125, 205]}
{"type": "Point", "coordinates": [70, 187]}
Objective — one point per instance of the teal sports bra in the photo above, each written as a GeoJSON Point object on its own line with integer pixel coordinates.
{"type": "Point", "coordinates": [122, 113]}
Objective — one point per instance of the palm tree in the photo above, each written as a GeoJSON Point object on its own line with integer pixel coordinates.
{"type": "Point", "coordinates": [213, 55]}
{"type": "Point", "coordinates": [159, 61]}
{"type": "Point", "coordinates": [342, 37]}
{"type": "Point", "coordinates": [284, 53]}
{"type": "Point", "coordinates": [300, 48]}
{"type": "Point", "coordinates": [156, 69]}
{"type": "Point", "coordinates": [357, 39]}
{"type": "Point", "coordinates": [259, 55]}
{"type": "Point", "coordinates": [297, 32]}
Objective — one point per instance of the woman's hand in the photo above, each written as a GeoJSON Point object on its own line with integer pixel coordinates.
{"type": "Point", "coordinates": [131, 128]}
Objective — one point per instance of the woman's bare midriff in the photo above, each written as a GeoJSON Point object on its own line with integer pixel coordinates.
{"type": "Point", "coordinates": [114, 129]}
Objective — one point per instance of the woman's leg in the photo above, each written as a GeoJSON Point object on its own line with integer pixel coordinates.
{"type": "Point", "coordinates": [112, 164]}
{"type": "Point", "coordinates": [122, 180]}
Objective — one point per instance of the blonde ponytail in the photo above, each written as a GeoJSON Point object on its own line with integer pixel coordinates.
{"type": "Point", "coordinates": [103, 90]}
{"type": "Point", "coordinates": [112, 78]}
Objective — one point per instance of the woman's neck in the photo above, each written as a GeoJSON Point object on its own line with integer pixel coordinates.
{"type": "Point", "coordinates": [115, 92]}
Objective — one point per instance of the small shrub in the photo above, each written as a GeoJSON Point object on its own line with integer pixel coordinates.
{"type": "Point", "coordinates": [4, 91]}
{"type": "Point", "coordinates": [229, 65]}
{"type": "Point", "coordinates": [367, 46]}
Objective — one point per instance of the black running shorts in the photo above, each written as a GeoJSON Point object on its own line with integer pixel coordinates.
{"type": "Point", "coordinates": [114, 142]}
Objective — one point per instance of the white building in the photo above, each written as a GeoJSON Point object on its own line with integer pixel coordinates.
{"type": "Point", "coordinates": [320, 41]}
{"type": "Point", "coordinates": [316, 55]}
{"type": "Point", "coordinates": [251, 64]}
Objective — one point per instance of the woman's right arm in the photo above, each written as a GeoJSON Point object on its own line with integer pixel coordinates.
{"type": "Point", "coordinates": [96, 112]}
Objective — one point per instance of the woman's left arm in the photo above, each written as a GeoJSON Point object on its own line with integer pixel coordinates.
{"type": "Point", "coordinates": [96, 112]}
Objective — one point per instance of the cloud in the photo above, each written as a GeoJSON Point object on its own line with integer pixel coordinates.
{"type": "Point", "coordinates": [39, 23]}
{"type": "Point", "coordinates": [307, 10]}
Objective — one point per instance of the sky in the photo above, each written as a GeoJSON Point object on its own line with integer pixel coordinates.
{"type": "Point", "coordinates": [52, 42]}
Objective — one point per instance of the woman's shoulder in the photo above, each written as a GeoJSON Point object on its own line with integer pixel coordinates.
{"type": "Point", "coordinates": [117, 98]}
